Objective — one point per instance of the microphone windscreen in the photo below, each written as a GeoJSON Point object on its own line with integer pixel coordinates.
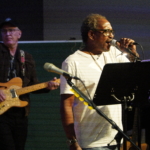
{"type": "Point", "coordinates": [113, 42]}
{"type": "Point", "coordinates": [48, 66]}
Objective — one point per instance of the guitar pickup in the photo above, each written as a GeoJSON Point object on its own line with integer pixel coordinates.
{"type": "Point", "coordinates": [13, 93]}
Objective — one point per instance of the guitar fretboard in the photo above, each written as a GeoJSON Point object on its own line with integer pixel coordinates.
{"type": "Point", "coordinates": [31, 88]}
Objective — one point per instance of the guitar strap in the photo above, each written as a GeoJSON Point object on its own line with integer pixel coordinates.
{"type": "Point", "coordinates": [12, 70]}
{"type": "Point", "coordinates": [22, 54]}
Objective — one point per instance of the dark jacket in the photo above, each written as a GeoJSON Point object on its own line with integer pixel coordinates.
{"type": "Point", "coordinates": [28, 79]}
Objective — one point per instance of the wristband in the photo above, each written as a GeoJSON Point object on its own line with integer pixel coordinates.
{"type": "Point", "coordinates": [71, 141]}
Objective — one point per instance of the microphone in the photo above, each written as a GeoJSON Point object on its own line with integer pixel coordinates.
{"type": "Point", "coordinates": [117, 43]}
{"type": "Point", "coordinates": [52, 68]}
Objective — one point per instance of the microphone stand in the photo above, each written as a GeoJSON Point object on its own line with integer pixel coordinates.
{"type": "Point", "coordinates": [136, 57]}
{"type": "Point", "coordinates": [93, 106]}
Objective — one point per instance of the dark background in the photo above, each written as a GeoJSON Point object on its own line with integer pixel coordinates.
{"type": "Point", "coordinates": [29, 15]}
{"type": "Point", "coordinates": [56, 22]}
{"type": "Point", "coordinates": [61, 19]}
{"type": "Point", "coordinates": [45, 129]}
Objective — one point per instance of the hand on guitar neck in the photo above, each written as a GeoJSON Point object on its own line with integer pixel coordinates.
{"type": "Point", "coordinates": [53, 84]}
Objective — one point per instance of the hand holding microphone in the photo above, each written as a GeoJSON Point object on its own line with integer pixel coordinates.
{"type": "Point", "coordinates": [126, 45]}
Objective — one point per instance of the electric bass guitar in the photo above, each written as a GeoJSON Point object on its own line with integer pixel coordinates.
{"type": "Point", "coordinates": [13, 89]}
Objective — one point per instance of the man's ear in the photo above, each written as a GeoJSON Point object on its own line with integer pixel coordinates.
{"type": "Point", "coordinates": [91, 35]}
{"type": "Point", "coordinates": [19, 34]}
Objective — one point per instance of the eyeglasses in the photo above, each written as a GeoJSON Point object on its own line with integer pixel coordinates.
{"type": "Point", "coordinates": [11, 31]}
{"type": "Point", "coordinates": [105, 32]}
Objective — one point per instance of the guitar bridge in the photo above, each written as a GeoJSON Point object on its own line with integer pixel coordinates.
{"type": "Point", "coordinates": [13, 93]}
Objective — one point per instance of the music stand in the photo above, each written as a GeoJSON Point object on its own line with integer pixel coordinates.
{"type": "Point", "coordinates": [122, 79]}
{"type": "Point", "coordinates": [123, 83]}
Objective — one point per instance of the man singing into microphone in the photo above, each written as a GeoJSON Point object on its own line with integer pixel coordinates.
{"type": "Point", "coordinates": [84, 128]}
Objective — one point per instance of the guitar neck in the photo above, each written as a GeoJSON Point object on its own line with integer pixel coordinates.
{"type": "Point", "coordinates": [31, 88]}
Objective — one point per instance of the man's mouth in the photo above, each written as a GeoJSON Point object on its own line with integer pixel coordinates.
{"type": "Point", "coordinates": [8, 39]}
{"type": "Point", "coordinates": [108, 42]}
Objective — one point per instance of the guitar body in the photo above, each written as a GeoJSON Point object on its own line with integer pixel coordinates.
{"type": "Point", "coordinates": [144, 146]}
{"type": "Point", "coordinates": [12, 99]}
